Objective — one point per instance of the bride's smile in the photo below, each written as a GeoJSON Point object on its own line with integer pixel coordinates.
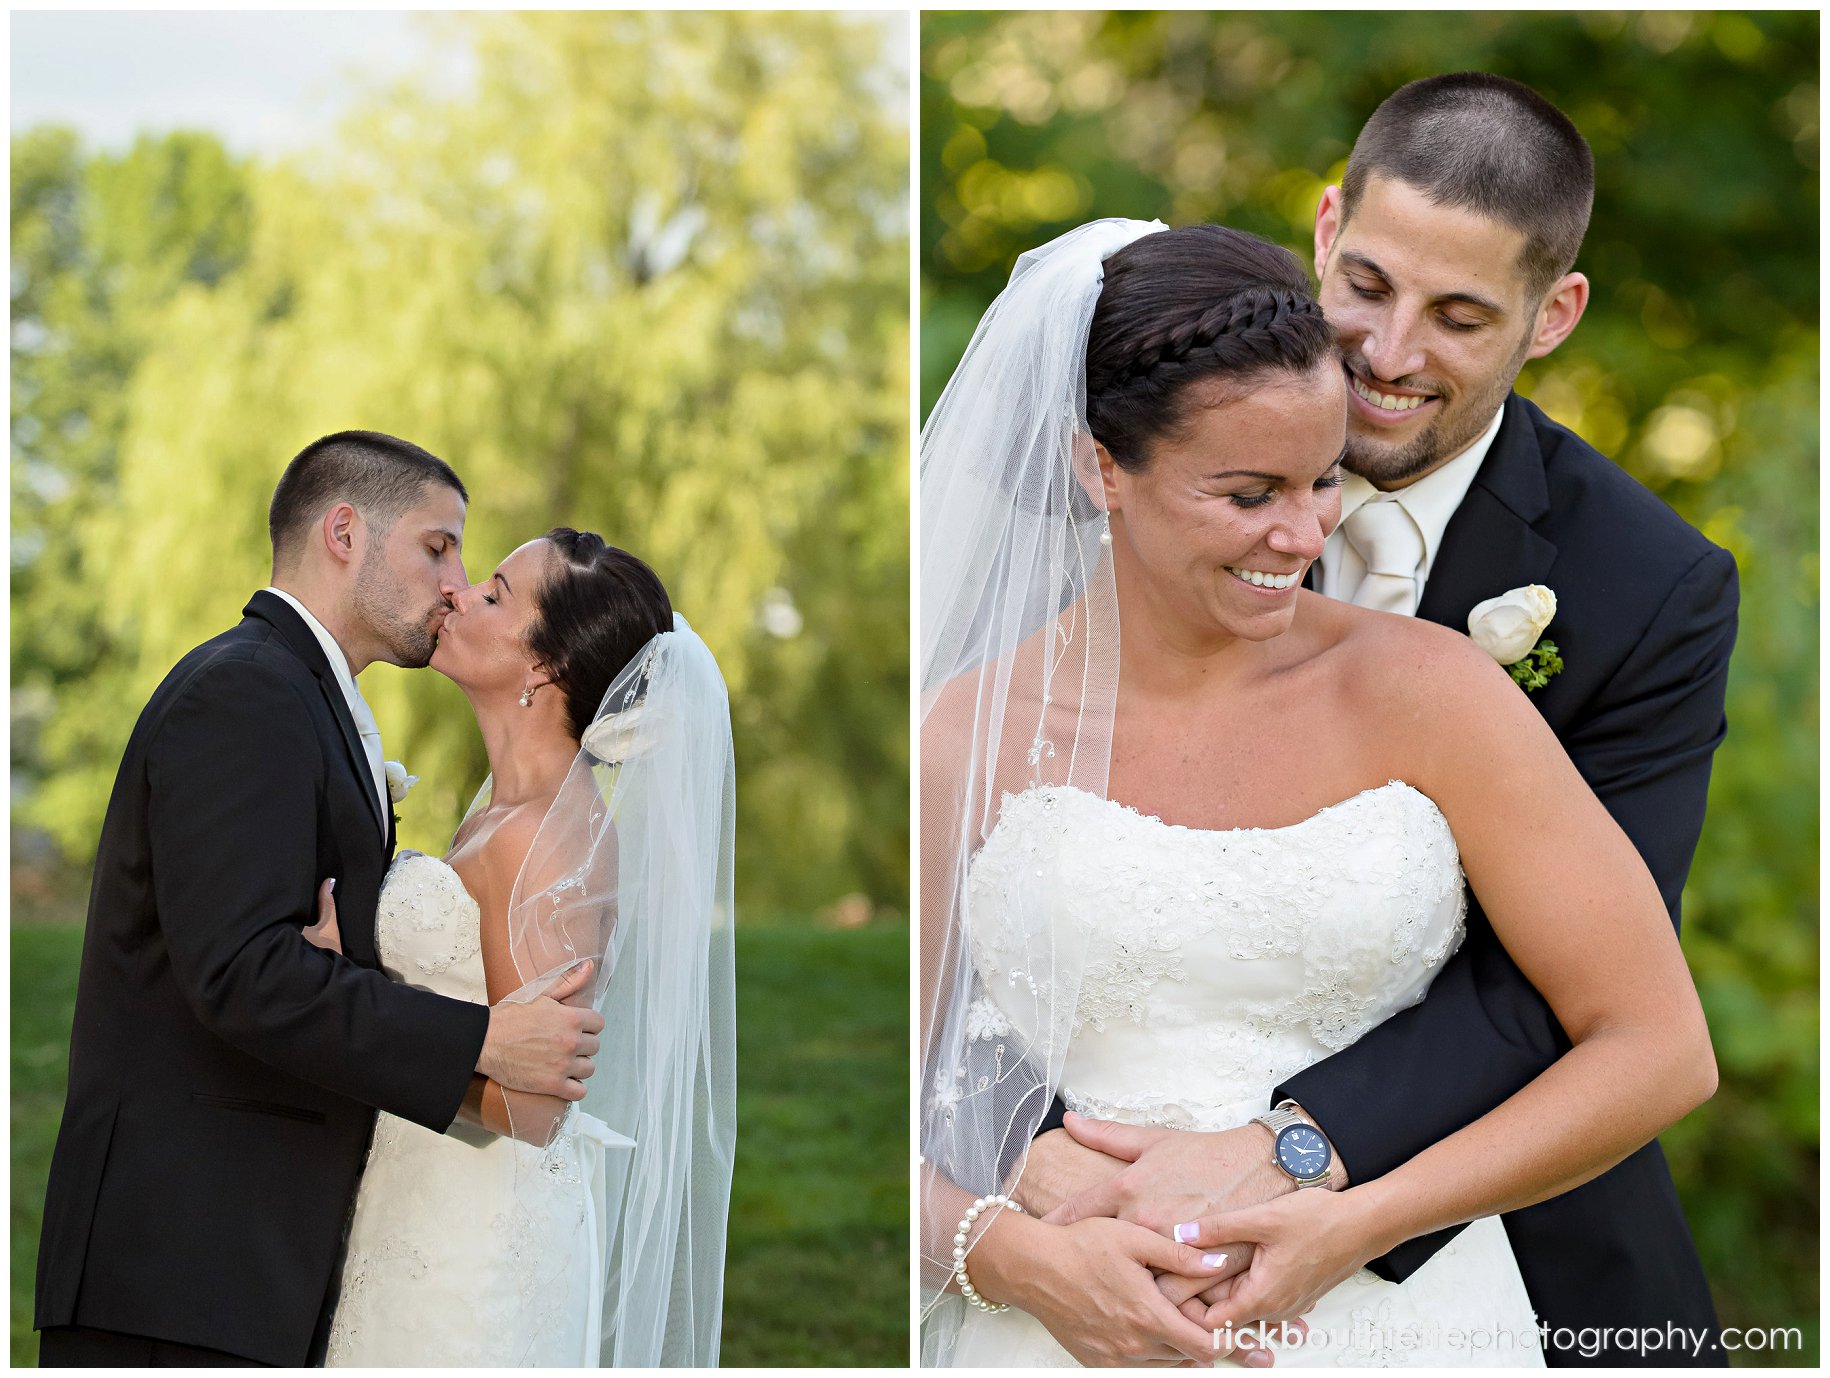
{"type": "Point", "coordinates": [1213, 533]}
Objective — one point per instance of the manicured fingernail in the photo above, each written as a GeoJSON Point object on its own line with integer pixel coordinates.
{"type": "Point", "coordinates": [1185, 1234]}
{"type": "Point", "coordinates": [1258, 1358]}
{"type": "Point", "coordinates": [333, 887]}
{"type": "Point", "coordinates": [1213, 1260]}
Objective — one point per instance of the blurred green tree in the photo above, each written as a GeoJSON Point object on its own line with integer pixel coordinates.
{"type": "Point", "coordinates": [1696, 367]}
{"type": "Point", "coordinates": [644, 274]}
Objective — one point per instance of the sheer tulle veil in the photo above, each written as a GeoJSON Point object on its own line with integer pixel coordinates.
{"type": "Point", "coordinates": [632, 867]}
{"type": "Point", "coordinates": [1019, 673]}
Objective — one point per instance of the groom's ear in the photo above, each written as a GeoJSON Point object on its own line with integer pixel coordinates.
{"type": "Point", "coordinates": [1557, 317]}
{"type": "Point", "coordinates": [341, 532]}
{"type": "Point", "coordinates": [1327, 226]}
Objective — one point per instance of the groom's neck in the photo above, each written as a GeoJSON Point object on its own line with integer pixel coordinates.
{"type": "Point", "coordinates": [322, 604]}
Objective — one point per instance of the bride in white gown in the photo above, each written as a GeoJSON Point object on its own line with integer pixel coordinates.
{"type": "Point", "coordinates": [1156, 884]}
{"type": "Point", "coordinates": [579, 1234]}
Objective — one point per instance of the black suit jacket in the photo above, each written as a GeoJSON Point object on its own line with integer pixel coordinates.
{"type": "Point", "coordinates": [1645, 623]}
{"type": "Point", "coordinates": [224, 1073]}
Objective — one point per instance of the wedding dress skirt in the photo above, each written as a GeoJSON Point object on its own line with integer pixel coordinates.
{"type": "Point", "coordinates": [1216, 965]}
{"type": "Point", "coordinates": [466, 1249]}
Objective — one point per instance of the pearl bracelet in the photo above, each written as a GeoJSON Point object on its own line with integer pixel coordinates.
{"type": "Point", "coordinates": [966, 1289]}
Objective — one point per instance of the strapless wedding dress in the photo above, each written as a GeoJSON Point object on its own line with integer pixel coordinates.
{"type": "Point", "coordinates": [1216, 965]}
{"type": "Point", "coordinates": [466, 1249]}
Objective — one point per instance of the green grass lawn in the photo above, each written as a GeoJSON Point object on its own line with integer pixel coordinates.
{"type": "Point", "coordinates": [817, 1272]}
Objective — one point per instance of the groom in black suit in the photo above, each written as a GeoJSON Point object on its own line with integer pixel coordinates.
{"type": "Point", "coordinates": [1445, 263]}
{"type": "Point", "coordinates": [224, 1072]}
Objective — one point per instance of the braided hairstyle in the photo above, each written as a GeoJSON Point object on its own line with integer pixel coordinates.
{"type": "Point", "coordinates": [1185, 306]}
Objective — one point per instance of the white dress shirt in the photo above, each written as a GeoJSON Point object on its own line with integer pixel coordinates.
{"type": "Point", "coordinates": [366, 727]}
{"type": "Point", "coordinates": [1431, 501]}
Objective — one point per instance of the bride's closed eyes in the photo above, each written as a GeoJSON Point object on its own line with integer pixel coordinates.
{"type": "Point", "coordinates": [1333, 478]}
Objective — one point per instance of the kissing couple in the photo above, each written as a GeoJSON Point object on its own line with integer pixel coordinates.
{"type": "Point", "coordinates": [1315, 739]}
{"type": "Point", "coordinates": [543, 1017]}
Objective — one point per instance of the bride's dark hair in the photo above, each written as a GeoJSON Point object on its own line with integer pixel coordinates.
{"type": "Point", "coordinates": [597, 608]}
{"type": "Point", "coordinates": [1186, 306]}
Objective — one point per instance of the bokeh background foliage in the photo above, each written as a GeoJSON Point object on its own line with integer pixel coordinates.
{"type": "Point", "coordinates": [1696, 367]}
{"type": "Point", "coordinates": [648, 277]}
{"type": "Point", "coordinates": [641, 273]}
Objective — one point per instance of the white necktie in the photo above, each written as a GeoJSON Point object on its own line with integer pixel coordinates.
{"type": "Point", "coordinates": [1384, 535]}
{"type": "Point", "coordinates": [370, 732]}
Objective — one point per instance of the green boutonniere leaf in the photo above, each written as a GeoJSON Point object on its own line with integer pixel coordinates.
{"type": "Point", "coordinates": [1533, 671]}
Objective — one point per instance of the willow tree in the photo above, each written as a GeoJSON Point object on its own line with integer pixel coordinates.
{"type": "Point", "coordinates": [644, 274]}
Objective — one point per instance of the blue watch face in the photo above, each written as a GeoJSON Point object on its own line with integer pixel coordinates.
{"type": "Point", "coordinates": [1302, 1152]}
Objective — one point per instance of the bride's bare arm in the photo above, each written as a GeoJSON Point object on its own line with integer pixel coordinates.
{"type": "Point", "coordinates": [489, 865]}
{"type": "Point", "coordinates": [1577, 910]}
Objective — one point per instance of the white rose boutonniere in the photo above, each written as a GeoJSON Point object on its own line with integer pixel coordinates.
{"type": "Point", "coordinates": [1508, 627]}
{"type": "Point", "coordinates": [399, 782]}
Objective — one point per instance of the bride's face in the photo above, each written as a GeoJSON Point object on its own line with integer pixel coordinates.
{"type": "Point", "coordinates": [483, 643]}
{"type": "Point", "coordinates": [1248, 487]}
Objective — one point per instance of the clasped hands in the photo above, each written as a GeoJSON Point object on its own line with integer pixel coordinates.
{"type": "Point", "coordinates": [1221, 1194]}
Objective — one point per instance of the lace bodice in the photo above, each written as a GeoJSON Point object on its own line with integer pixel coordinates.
{"type": "Point", "coordinates": [1212, 964]}
{"type": "Point", "coordinates": [1210, 967]}
{"type": "Point", "coordinates": [464, 1248]}
{"type": "Point", "coordinates": [428, 930]}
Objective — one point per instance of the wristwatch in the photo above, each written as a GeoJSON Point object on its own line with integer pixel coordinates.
{"type": "Point", "coordinates": [1300, 1150]}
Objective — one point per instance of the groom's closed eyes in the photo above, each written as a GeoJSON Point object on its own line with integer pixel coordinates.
{"type": "Point", "coordinates": [1371, 283]}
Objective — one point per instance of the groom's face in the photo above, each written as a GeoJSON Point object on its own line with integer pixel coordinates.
{"type": "Point", "coordinates": [1434, 322]}
{"type": "Point", "coordinates": [408, 575]}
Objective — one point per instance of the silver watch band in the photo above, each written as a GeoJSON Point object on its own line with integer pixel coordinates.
{"type": "Point", "coordinates": [1279, 1118]}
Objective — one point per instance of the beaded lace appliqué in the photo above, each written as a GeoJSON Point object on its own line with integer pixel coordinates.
{"type": "Point", "coordinates": [1257, 951]}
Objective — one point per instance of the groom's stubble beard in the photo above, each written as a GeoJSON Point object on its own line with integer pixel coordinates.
{"type": "Point", "coordinates": [1389, 466]}
{"type": "Point", "coordinates": [377, 599]}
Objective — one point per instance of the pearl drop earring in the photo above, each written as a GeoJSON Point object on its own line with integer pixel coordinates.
{"type": "Point", "coordinates": [1105, 537]}
{"type": "Point", "coordinates": [527, 698]}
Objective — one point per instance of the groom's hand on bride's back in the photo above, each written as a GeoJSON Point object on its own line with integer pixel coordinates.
{"type": "Point", "coordinates": [545, 1046]}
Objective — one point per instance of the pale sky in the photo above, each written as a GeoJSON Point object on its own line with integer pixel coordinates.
{"type": "Point", "coordinates": [264, 82]}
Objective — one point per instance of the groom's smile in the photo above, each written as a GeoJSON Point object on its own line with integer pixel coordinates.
{"type": "Point", "coordinates": [1385, 404]}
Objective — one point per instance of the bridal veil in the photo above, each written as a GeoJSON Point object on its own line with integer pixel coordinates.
{"type": "Point", "coordinates": [1019, 674]}
{"type": "Point", "coordinates": [632, 867]}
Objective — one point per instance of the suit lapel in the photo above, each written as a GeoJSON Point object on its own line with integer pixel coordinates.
{"type": "Point", "coordinates": [1490, 544]}
{"type": "Point", "coordinates": [352, 743]}
{"type": "Point", "coordinates": [299, 637]}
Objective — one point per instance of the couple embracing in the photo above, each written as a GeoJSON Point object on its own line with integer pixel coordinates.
{"type": "Point", "coordinates": [1284, 957]}
{"type": "Point", "coordinates": [542, 1017]}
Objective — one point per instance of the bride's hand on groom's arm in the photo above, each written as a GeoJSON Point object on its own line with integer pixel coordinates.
{"type": "Point", "coordinates": [324, 932]}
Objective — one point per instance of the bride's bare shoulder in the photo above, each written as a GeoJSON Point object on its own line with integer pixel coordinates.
{"type": "Point", "coordinates": [1412, 675]}
{"type": "Point", "coordinates": [489, 850]}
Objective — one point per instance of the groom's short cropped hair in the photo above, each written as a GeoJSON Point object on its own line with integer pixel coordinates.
{"type": "Point", "coordinates": [381, 476]}
{"type": "Point", "coordinates": [1489, 145]}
